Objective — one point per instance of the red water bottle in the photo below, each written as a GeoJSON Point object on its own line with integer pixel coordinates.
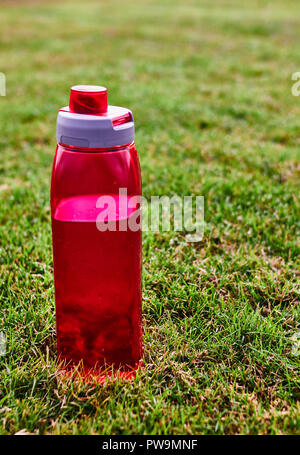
{"type": "Point", "coordinates": [97, 264]}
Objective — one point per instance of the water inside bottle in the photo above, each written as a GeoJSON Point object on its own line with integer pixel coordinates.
{"type": "Point", "coordinates": [97, 308]}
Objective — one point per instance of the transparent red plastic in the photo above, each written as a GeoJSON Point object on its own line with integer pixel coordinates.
{"type": "Point", "coordinates": [122, 119]}
{"type": "Point", "coordinates": [97, 274]}
{"type": "Point", "coordinates": [88, 99]}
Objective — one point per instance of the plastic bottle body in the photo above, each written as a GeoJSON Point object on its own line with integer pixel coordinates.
{"type": "Point", "coordinates": [97, 273]}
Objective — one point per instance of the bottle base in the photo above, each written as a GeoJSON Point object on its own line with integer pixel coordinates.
{"type": "Point", "coordinates": [98, 374]}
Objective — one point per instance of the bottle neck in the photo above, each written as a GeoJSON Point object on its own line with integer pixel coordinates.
{"type": "Point", "coordinates": [72, 148]}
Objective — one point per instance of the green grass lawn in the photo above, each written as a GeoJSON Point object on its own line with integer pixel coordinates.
{"type": "Point", "coordinates": [209, 83]}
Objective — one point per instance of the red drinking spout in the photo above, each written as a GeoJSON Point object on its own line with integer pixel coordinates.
{"type": "Point", "coordinates": [88, 99]}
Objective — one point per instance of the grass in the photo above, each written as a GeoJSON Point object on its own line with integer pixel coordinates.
{"type": "Point", "coordinates": [210, 86]}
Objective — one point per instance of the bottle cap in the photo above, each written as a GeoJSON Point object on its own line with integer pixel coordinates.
{"type": "Point", "coordinates": [88, 122]}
